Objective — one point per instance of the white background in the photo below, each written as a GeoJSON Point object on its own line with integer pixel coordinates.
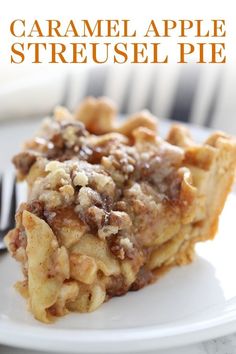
{"type": "Point", "coordinates": [140, 12]}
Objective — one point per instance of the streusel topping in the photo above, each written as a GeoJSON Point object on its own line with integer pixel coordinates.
{"type": "Point", "coordinates": [110, 182]}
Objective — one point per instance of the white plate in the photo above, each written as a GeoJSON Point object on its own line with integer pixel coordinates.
{"type": "Point", "coordinates": [189, 304]}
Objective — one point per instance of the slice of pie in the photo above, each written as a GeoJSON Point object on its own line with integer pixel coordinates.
{"type": "Point", "coordinates": [111, 205]}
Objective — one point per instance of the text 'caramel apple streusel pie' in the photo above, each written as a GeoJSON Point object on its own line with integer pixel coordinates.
{"type": "Point", "coordinates": [111, 205]}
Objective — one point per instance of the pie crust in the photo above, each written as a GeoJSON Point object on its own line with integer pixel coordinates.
{"type": "Point", "coordinates": [112, 205]}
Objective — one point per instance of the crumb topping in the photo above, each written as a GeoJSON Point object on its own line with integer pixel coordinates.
{"type": "Point", "coordinates": [112, 183]}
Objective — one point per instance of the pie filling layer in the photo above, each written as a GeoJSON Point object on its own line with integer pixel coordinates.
{"type": "Point", "coordinates": [111, 206]}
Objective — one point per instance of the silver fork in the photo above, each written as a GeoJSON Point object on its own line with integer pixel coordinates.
{"type": "Point", "coordinates": [7, 207]}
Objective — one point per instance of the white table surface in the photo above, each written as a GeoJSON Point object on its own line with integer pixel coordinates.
{"type": "Point", "coordinates": [223, 345]}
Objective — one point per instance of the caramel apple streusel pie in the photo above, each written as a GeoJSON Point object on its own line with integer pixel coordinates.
{"type": "Point", "coordinates": [111, 205]}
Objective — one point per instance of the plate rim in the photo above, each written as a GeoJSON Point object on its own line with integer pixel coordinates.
{"type": "Point", "coordinates": [122, 340]}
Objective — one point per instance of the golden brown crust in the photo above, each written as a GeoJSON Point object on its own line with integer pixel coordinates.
{"type": "Point", "coordinates": [179, 135]}
{"type": "Point", "coordinates": [99, 117]}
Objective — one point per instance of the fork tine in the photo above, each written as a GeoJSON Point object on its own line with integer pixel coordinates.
{"type": "Point", "coordinates": [0, 196]}
{"type": "Point", "coordinates": [12, 208]}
